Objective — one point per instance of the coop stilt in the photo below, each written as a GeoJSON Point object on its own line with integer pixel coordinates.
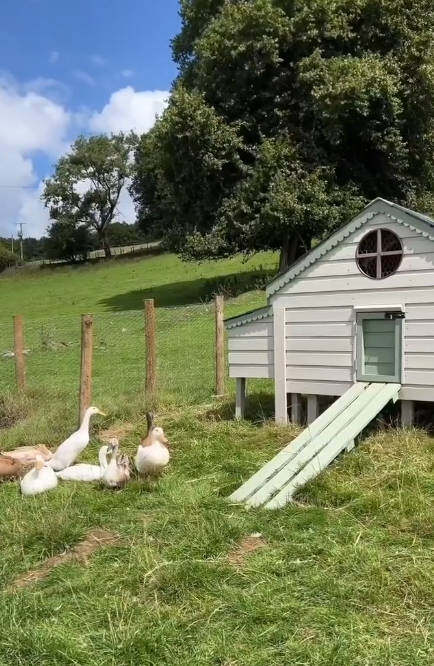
{"type": "Point", "coordinates": [240, 398]}
{"type": "Point", "coordinates": [407, 413]}
{"type": "Point", "coordinates": [312, 408]}
{"type": "Point", "coordinates": [295, 408]}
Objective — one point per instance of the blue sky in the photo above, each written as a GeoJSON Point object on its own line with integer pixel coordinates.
{"type": "Point", "coordinates": [70, 67]}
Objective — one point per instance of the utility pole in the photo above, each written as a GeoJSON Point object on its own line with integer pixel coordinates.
{"type": "Point", "coordinates": [20, 236]}
{"type": "Point", "coordinates": [12, 243]}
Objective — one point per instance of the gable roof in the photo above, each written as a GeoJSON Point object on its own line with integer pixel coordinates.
{"type": "Point", "coordinates": [249, 317]}
{"type": "Point", "coordinates": [422, 224]}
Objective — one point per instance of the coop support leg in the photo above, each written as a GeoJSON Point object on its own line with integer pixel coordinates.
{"type": "Point", "coordinates": [240, 398]}
{"type": "Point", "coordinates": [407, 413]}
{"type": "Point", "coordinates": [312, 408]}
{"type": "Point", "coordinates": [295, 408]}
{"type": "Point", "coordinates": [350, 445]}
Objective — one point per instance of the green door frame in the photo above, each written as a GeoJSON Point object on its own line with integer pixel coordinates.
{"type": "Point", "coordinates": [360, 350]}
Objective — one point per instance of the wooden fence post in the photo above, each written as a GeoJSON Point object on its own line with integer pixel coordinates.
{"type": "Point", "coordinates": [151, 350]}
{"type": "Point", "coordinates": [219, 346]}
{"type": "Point", "coordinates": [86, 363]}
{"type": "Point", "coordinates": [20, 361]}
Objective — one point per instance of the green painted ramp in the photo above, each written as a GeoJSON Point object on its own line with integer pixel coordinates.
{"type": "Point", "coordinates": [317, 446]}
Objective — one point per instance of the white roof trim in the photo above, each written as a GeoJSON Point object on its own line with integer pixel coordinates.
{"type": "Point", "coordinates": [421, 224]}
{"type": "Point", "coordinates": [249, 317]}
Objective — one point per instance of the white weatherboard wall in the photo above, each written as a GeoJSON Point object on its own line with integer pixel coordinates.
{"type": "Point", "coordinates": [251, 349]}
{"type": "Point", "coordinates": [320, 306]}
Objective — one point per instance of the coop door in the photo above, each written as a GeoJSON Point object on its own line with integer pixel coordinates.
{"type": "Point", "coordinates": [379, 345]}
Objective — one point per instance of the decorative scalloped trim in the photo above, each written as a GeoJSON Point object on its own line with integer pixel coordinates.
{"type": "Point", "coordinates": [277, 284]}
{"type": "Point", "coordinates": [248, 318]}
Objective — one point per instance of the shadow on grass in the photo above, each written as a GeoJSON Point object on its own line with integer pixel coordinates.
{"type": "Point", "coordinates": [188, 292]}
{"type": "Point", "coordinates": [259, 408]}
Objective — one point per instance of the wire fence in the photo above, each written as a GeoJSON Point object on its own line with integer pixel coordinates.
{"type": "Point", "coordinates": [185, 345]}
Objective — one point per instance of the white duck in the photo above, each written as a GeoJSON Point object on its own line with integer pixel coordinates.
{"type": "Point", "coordinates": [85, 472]}
{"type": "Point", "coordinates": [152, 455]}
{"type": "Point", "coordinates": [39, 479]}
{"type": "Point", "coordinates": [71, 448]}
{"type": "Point", "coordinates": [117, 473]}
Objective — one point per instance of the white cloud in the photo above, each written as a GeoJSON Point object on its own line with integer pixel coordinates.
{"type": "Point", "coordinates": [32, 124]}
{"type": "Point", "coordinates": [129, 109]}
{"type": "Point", "coordinates": [127, 73]}
{"type": "Point", "coordinates": [98, 60]}
{"type": "Point", "coordinates": [29, 124]}
{"type": "Point", "coordinates": [83, 77]}
{"type": "Point", "coordinates": [33, 212]}
{"type": "Point", "coordinates": [54, 57]}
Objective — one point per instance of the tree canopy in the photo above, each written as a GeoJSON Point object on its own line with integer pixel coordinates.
{"type": "Point", "coordinates": [87, 184]}
{"type": "Point", "coordinates": [286, 117]}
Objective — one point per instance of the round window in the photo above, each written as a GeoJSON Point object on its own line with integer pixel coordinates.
{"type": "Point", "coordinates": [379, 254]}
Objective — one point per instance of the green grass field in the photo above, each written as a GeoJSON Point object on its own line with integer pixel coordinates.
{"type": "Point", "coordinates": [343, 577]}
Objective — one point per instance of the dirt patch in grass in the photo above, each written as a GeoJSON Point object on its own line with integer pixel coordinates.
{"type": "Point", "coordinates": [120, 431]}
{"type": "Point", "coordinates": [249, 544]}
{"type": "Point", "coordinates": [80, 553]}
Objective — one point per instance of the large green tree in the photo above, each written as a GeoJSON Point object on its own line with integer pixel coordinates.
{"type": "Point", "coordinates": [322, 104]}
{"type": "Point", "coordinates": [87, 184]}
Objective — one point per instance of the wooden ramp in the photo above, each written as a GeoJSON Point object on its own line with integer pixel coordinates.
{"type": "Point", "coordinates": [317, 446]}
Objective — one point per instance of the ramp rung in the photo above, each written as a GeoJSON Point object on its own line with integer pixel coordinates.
{"type": "Point", "coordinates": [335, 445]}
{"type": "Point", "coordinates": [260, 478]}
{"type": "Point", "coordinates": [332, 430]}
{"type": "Point", "coordinates": [317, 446]}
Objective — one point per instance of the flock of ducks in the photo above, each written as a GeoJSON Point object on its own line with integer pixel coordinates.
{"type": "Point", "coordinates": [113, 469]}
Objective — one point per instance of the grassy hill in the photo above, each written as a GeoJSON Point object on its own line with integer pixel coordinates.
{"type": "Point", "coordinates": [122, 284]}
{"type": "Point", "coordinates": [342, 577]}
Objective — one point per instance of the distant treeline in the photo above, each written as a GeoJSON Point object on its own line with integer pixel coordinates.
{"type": "Point", "coordinates": [37, 249]}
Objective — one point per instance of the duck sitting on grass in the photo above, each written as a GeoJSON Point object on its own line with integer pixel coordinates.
{"type": "Point", "coordinates": [152, 455]}
{"type": "Point", "coordinates": [66, 454]}
{"type": "Point", "coordinates": [84, 471]}
{"type": "Point", "coordinates": [39, 479]}
{"type": "Point", "coordinates": [118, 471]}
{"type": "Point", "coordinates": [10, 468]}
{"type": "Point", "coordinates": [27, 454]}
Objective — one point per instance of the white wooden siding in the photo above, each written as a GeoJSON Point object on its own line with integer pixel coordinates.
{"type": "Point", "coordinates": [317, 387]}
{"type": "Point", "coordinates": [323, 314]}
{"type": "Point", "coordinates": [319, 344]}
{"type": "Point", "coordinates": [358, 282]}
{"type": "Point", "coordinates": [360, 297]}
{"type": "Point", "coordinates": [347, 250]}
{"type": "Point", "coordinates": [251, 352]}
{"type": "Point", "coordinates": [419, 348]}
{"type": "Point", "coordinates": [422, 393]}
{"type": "Point", "coordinates": [320, 316]}
{"type": "Point", "coordinates": [320, 373]}
{"type": "Point", "coordinates": [344, 267]}
{"type": "Point", "coordinates": [336, 359]}
{"type": "Point", "coordinates": [328, 329]}
{"type": "Point", "coordinates": [419, 361]}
